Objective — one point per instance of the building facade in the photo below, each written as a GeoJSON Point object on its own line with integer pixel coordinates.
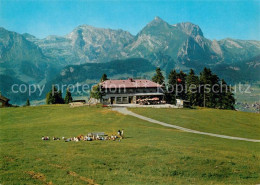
{"type": "Point", "coordinates": [130, 91]}
{"type": "Point", "coordinates": [4, 102]}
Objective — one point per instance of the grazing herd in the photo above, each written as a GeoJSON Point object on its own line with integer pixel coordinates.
{"type": "Point", "coordinates": [90, 137]}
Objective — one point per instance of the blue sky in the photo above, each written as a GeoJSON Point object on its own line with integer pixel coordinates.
{"type": "Point", "coordinates": [217, 19]}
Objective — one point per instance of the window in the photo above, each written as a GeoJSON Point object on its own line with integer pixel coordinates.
{"type": "Point", "coordinates": [118, 100]}
{"type": "Point", "coordinates": [125, 100]}
{"type": "Point", "coordinates": [112, 90]}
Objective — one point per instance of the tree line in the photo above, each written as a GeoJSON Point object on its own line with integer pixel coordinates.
{"type": "Point", "coordinates": [55, 97]}
{"type": "Point", "coordinates": [205, 90]}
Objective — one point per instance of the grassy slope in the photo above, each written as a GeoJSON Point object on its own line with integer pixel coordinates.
{"type": "Point", "coordinates": [233, 123]}
{"type": "Point", "coordinates": [150, 154]}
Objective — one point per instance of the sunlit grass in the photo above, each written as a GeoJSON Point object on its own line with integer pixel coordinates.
{"type": "Point", "coordinates": [232, 123]}
{"type": "Point", "coordinates": [150, 154]}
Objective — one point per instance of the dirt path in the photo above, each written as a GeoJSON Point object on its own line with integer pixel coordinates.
{"type": "Point", "coordinates": [125, 111]}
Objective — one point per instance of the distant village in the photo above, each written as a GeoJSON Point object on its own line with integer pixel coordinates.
{"type": "Point", "coordinates": [248, 107]}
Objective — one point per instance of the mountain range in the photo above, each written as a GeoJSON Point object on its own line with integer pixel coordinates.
{"type": "Point", "coordinates": [87, 52]}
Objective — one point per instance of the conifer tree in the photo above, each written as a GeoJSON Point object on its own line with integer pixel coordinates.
{"type": "Point", "coordinates": [59, 99]}
{"type": "Point", "coordinates": [209, 92]}
{"type": "Point", "coordinates": [226, 97]}
{"type": "Point", "coordinates": [68, 97]}
{"type": "Point", "coordinates": [192, 82]}
{"type": "Point", "coordinates": [205, 85]}
{"type": "Point", "coordinates": [54, 97]}
{"type": "Point", "coordinates": [103, 78]}
{"type": "Point", "coordinates": [172, 82]}
{"type": "Point", "coordinates": [158, 77]}
{"type": "Point", "coordinates": [49, 98]}
{"type": "Point", "coordinates": [27, 102]}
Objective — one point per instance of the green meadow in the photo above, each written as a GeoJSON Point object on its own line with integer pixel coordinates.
{"type": "Point", "coordinates": [149, 154]}
{"type": "Point", "coordinates": [225, 122]}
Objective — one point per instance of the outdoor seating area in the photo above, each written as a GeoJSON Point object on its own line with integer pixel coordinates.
{"type": "Point", "coordinates": [150, 101]}
{"type": "Point", "coordinates": [93, 136]}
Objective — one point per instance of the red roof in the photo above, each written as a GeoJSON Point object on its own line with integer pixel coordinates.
{"type": "Point", "coordinates": [129, 83]}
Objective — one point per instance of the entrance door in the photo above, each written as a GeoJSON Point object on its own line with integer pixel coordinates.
{"type": "Point", "coordinates": [130, 99]}
{"type": "Point", "coordinates": [112, 100]}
